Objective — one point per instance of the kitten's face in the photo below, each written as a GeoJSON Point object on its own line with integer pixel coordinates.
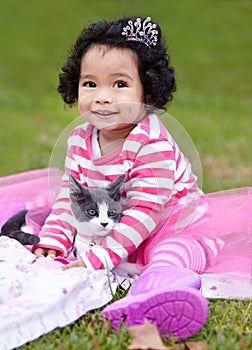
{"type": "Point", "coordinates": [95, 210]}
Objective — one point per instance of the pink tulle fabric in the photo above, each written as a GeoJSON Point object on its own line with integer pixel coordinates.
{"type": "Point", "coordinates": [231, 219]}
{"type": "Point", "coordinates": [230, 215]}
{"type": "Point", "coordinates": [28, 190]}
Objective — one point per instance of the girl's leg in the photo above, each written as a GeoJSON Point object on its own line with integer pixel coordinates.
{"type": "Point", "coordinates": [176, 251]}
{"type": "Point", "coordinates": [193, 254]}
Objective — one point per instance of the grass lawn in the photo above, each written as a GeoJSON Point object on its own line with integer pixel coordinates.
{"type": "Point", "coordinates": [211, 47]}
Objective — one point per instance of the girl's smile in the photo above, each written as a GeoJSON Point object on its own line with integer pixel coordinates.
{"type": "Point", "coordinates": [110, 94]}
{"type": "Point", "coordinates": [104, 114]}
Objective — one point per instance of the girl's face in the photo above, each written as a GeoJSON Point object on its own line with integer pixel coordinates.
{"type": "Point", "coordinates": [110, 93]}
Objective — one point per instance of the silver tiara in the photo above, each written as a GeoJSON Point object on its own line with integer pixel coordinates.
{"type": "Point", "coordinates": [144, 32]}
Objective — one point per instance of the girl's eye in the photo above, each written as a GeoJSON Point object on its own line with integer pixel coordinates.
{"type": "Point", "coordinates": [92, 212]}
{"type": "Point", "coordinates": [112, 213]}
{"type": "Point", "coordinates": [120, 84]}
{"type": "Point", "coordinates": [89, 84]}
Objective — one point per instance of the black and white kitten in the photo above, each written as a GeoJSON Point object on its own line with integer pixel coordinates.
{"type": "Point", "coordinates": [95, 211]}
{"type": "Point", "coordinates": [15, 227]}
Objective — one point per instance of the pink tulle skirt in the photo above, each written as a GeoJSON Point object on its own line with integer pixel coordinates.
{"type": "Point", "coordinates": [28, 190]}
{"type": "Point", "coordinates": [230, 215]}
{"type": "Point", "coordinates": [231, 219]}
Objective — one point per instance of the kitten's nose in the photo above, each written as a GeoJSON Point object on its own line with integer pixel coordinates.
{"type": "Point", "coordinates": [104, 224]}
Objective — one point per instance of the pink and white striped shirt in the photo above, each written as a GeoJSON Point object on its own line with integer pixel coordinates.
{"type": "Point", "coordinates": [160, 188]}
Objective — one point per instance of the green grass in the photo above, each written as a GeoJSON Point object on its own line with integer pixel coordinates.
{"type": "Point", "coordinates": [229, 327]}
{"type": "Point", "coordinates": [210, 43]}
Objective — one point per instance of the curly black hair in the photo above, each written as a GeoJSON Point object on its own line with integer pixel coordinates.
{"type": "Point", "coordinates": [155, 71]}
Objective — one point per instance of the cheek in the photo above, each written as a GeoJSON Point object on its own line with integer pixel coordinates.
{"type": "Point", "coordinates": [85, 99]}
{"type": "Point", "coordinates": [132, 112]}
{"type": "Point", "coordinates": [82, 104]}
{"type": "Point", "coordinates": [139, 92]}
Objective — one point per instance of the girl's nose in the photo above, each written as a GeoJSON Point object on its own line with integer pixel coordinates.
{"type": "Point", "coordinates": [103, 97]}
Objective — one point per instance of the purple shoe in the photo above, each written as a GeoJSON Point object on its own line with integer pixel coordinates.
{"type": "Point", "coordinates": [177, 311]}
{"type": "Point", "coordinates": [167, 296]}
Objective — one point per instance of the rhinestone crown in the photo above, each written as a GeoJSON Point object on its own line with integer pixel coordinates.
{"type": "Point", "coordinates": [144, 32]}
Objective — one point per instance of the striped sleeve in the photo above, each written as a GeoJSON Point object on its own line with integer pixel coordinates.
{"type": "Point", "coordinates": [58, 231]}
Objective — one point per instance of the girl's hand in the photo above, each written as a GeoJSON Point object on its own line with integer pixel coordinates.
{"type": "Point", "coordinates": [76, 263]}
{"type": "Point", "coordinates": [39, 252]}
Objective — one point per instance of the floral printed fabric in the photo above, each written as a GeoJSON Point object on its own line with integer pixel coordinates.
{"type": "Point", "coordinates": [36, 296]}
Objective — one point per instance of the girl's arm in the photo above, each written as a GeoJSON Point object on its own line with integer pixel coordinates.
{"type": "Point", "coordinates": [58, 231]}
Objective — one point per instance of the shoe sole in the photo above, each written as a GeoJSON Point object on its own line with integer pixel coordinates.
{"type": "Point", "coordinates": [178, 312]}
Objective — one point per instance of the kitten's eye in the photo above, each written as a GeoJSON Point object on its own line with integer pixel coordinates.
{"type": "Point", "coordinates": [92, 212]}
{"type": "Point", "coordinates": [112, 213]}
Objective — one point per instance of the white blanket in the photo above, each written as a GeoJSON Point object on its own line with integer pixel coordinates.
{"type": "Point", "coordinates": [36, 296]}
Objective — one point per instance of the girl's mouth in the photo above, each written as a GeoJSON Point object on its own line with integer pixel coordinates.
{"type": "Point", "coordinates": [104, 114]}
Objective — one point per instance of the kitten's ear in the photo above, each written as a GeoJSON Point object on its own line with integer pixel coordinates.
{"type": "Point", "coordinates": [114, 189]}
{"type": "Point", "coordinates": [76, 189]}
